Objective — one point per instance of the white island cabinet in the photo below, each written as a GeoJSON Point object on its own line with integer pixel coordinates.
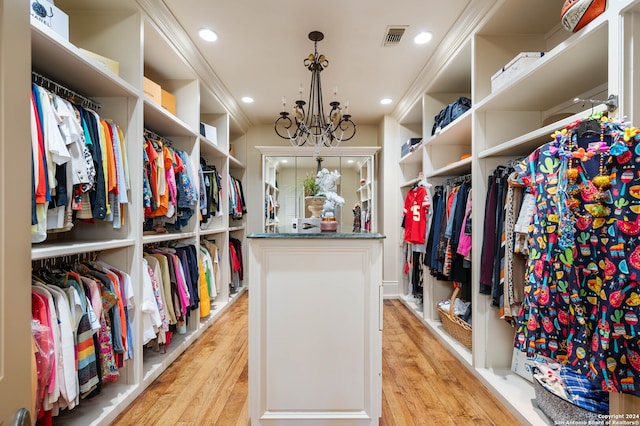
{"type": "Point", "coordinates": [315, 329]}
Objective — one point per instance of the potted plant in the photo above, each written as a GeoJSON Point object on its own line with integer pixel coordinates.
{"type": "Point", "coordinates": [320, 193]}
{"type": "Point", "coordinates": [313, 197]}
{"type": "Point", "coordinates": [311, 186]}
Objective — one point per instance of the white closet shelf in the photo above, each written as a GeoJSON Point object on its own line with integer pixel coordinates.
{"type": "Point", "coordinates": [409, 183]}
{"type": "Point", "coordinates": [454, 169]}
{"type": "Point", "coordinates": [100, 409]}
{"type": "Point", "coordinates": [47, 250]}
{"type": "Point", "coordinates": [61, 61]}
{"type": "Point", "coordinates": [212, 231]}
{"type": "Point", "coordinates": [207, 147]}
{"type": "Point", "coordinates": [513, 390]}
{"type": "Point", "coordinates": [413, 157]}
{"type": "Point", "coordinates": [235, 163]}
{"type": "Point", "coordinates": [527, 143]}
{"type": "Point", "coordinates": [456, 348]}
{"type": "Point", "coordinates": [158, 238]}
{"type": "Point", "coordinates": [558, 82]}
{"type": "Point", "coordinates": [162, 122]}
{"type": "Point", "coordinates": [458, 132]}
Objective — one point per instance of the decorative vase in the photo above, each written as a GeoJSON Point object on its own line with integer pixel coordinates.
{"type": "Point", "coordinates": [315, 205]}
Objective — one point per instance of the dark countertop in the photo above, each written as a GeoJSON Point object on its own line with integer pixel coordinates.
{"type": "Point", "coordinates": [319, 235]}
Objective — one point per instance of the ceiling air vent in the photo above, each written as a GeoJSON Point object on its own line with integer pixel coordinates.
{"type": "Point", "coordinates": [393, 36]}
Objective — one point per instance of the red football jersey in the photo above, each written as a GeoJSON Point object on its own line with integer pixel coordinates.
{"type": "Point", "coordinates": [416, 208]}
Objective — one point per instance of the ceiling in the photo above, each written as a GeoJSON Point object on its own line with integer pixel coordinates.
{"type": "Point", "coordinates": [262, 46]}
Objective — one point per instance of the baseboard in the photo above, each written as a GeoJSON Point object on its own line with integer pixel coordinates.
{"type": "Point", "coordinates": [391, 289]}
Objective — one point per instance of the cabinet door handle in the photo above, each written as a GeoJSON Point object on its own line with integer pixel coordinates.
{"type": "Point", "coordinates": [23, 418]}
{"type": "Point", "coordinates": [380, 306]}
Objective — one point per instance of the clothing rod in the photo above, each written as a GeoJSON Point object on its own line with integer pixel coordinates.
{"type": "Point", "coordinates": [64, 92]}
{"type": "Point", "coordinates": [459, 179]}
{"type": "Point", "coordinates": [153, 135]}
{"type": "Point", "coordinates": [48, 262]}
{"type": "Point", "coordinates": [515, 161]}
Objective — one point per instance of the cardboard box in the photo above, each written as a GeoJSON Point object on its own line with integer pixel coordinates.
{"type": "Point", "coordinates": [104, 62]}
{"type": "Point", "coordinates": [514, 68]}
{"type": "Point", "coordinates": [209, 132]}
{"type": "Point", "coordinates": [51, 17]}
{"type": "Point", "coordinates": [308, 225]}
{"type": "Point", "coordinates": [152, 90]}
{"type": "Point", "coordinates": [168, 101]}
{"type": "Point", "coordinates": [232, 150]}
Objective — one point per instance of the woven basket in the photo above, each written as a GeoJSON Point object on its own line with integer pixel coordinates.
{"type": "Point", "coordinates": [562, 411]}
{"type": "Point", "coordinates": [452, 324]}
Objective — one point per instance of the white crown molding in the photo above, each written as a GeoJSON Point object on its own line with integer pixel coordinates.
{"type": "Point", "coordinates": [308, 151]}
{"type": "Point", "coordinates": [466, 25]}
{"type": "Point", "coordinates": [167, 24]}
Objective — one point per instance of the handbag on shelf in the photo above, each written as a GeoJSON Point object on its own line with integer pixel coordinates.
{"type": "Point", "coordinates": [450, 113]}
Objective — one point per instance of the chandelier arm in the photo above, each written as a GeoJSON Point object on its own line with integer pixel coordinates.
{"type": "Point", "coordinates": [346, 125]}
{"type": "Point", "coordinates": [284, 122]}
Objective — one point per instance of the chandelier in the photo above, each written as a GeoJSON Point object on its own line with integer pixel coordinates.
{"type": "Point", "coordinates": [313, 127]}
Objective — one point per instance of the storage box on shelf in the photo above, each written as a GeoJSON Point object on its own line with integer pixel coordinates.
{"type": "Point", "coordinates": [103, 61]}
{"type": "Point", "coordinates": [51, 18]}
{"type": "Point", "coordinates": [168, 101]}
{"type": "Point", "coordinates": [513, 68]}
{"type": "Point", "coordinates": [152, 90]}
{"type": "Point", "coordinates": [209, 132]}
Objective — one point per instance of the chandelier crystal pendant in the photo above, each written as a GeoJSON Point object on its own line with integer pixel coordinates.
{"type": "Point", "coordinates": [313, 127]}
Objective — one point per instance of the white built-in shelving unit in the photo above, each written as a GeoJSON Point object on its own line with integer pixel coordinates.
{"type": "Point", "coordinates": [123, 31]}
{"type": "Point", "coordinates": [506, 124]}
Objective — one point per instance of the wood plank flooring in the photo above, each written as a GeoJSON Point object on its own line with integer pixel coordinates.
{"type": "Point", "coordinates": [423, 383]}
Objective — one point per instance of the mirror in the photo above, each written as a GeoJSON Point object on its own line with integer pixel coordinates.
{"type": "Point", "coordinates": [284, 193]}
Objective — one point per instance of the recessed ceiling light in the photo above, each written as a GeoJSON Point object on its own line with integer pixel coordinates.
{"type": "Point", "coordinates": [207, 34]}
{"type": "Point", "coordinates": [423, 37]}
{"type": "Point", "coordinates": [247, 99]}
{"type": "Point", "coordinates": [386, 101]}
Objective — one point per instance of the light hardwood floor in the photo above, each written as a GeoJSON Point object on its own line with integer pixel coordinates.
{"type": "Point", "coordinates": [423, 383]}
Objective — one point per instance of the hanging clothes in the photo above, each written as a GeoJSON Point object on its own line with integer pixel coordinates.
{"type": "Point", "coordinates": [237, 205]}
{"type": "Point", "coordinates": [415, 213]}
{"type": "Point", "coordinates": [210, 191]}
{"type": "Point", "coordinates": [580, 299]}
{"type": "Point", "coordinates": [450, 224]}
{"type": "Point", "coordinates": [169, 181]}
{"type": "Point", "coordinates": [77, 304]}
{"type": "Point", "coordinates": [79, 166]}
{"type": "Point", "coordinates": [236, 266]}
